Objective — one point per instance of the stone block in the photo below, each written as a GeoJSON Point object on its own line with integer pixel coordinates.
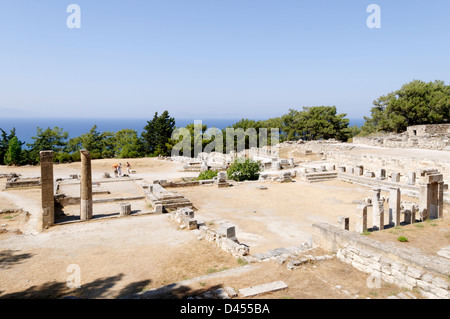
{"type": "Point", "coordinates": [227, 231]}
{"type": "Point", "coordinates": [344, 222]}
{"type": "Point", "coordinates": [125, 209]}
{"type": "Point", "coordinates": [260, 289]}
{"type": "Point", "coordinates": [414, 272]}
{"type": "Point", "coordinates": [440, 282]}
{"type": "Point", "coordinates": [158, 208]}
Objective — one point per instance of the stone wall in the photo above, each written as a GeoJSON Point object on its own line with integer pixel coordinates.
{"type": "Point", "coordinates": [406, 268]}
{"type": "Point", "coordinates": [401, 165]}
{"type": "Point", "coordinates": [435, 137]}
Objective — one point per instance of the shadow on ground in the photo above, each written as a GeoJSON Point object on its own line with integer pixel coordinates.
{"type": "Point", "coordinates": [10, 258]}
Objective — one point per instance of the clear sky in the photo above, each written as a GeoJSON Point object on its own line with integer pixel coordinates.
{"type": "Point", "coordinates": [214, 58]}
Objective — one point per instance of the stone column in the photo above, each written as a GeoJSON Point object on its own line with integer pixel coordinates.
{"type": "Point", "coordinates": [86, 186]}
{"type": "Point", "coordinates": [440, 199]}
{"type": "Point", "coordinates": [47, 189]}
{"type": "Point", "coordinates": [361, 219]}
{"type": "Point", "coordinates": [394, 206]}
{"type": "Point", "coordinates": [378, 210]}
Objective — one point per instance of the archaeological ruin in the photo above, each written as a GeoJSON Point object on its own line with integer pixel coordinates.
{"type": "Point", "coordinates": [400, 189]}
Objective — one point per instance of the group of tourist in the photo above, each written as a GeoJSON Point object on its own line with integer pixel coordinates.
{"type": "Point", "coordinates": [118, 169]}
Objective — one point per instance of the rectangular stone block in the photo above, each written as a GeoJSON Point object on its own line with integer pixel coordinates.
{"type": "Point", "coordinates": [395, 177]}
{"type": "Point", "coordinates": [344, 222]}
{"type": "Point", "coordinates": [256, 290]}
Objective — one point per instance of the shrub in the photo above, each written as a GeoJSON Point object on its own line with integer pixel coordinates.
{"type": "Point", "coordinates": [206, 175]}
{"type": "Point", "coordinates": [242, 171]}
{"type": "Point", "coordinates": [403, 239]}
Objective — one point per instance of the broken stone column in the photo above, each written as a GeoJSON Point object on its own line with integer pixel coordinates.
{"type": "Point", "coordinates": [377, 210]}
{"type": "Point", "coordinates": [394, 206]}
{"type": "Point", "coordinates": [361, 219]}
{"type": "Point", "coordinates": [86, 186]}
{"type": "Point", "coordinates": [47, 189]}
{"type": "Point", "coordinates": [344, 222]}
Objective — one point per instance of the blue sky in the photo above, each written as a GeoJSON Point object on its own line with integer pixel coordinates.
{"type": "Point", "coordinates": [214, 58]}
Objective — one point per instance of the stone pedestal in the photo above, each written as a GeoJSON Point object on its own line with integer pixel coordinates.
{"type": "Point", "coordinates": [381, 174]}
{"type": "Point", "coordinates": [344, 222]}
{"type": "Point", "coordinates": [47, 189]}
{"type": "Point", "coordinates": [395, 177]}
{"type": "Point", "coordinates": [125, 209]}
{"type": "Point", "coordinates": [86, 186]}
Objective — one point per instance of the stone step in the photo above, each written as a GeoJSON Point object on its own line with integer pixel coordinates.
{"type": "Point", "coordinates": [178, 205]}
{"type": "Point", "coordinates": [256, 290]}
{"type": "Point", "coordinates": [320, 178]}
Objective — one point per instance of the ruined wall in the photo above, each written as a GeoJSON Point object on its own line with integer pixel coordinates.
{"type": "Point", "coordinates": [402, 267]}
{"type": "Point", "coordinates": [402, 165]}
{"type": "Point", "coordinates": [436, 137]}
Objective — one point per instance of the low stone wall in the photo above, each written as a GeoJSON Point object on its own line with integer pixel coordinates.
{"type": "Point", "coordinates": [402, 165]}
{"type": "Point", "coordinates": [227, 242]}
{"type": "Point", "coordinates": [403, 267]}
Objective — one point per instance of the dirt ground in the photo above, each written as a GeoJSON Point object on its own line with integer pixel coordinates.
{"type": "Point", "coordinates": [118, 257]}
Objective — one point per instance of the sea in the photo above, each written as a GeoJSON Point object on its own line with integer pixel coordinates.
{"type": "Point", "coordinates": [27, 127]}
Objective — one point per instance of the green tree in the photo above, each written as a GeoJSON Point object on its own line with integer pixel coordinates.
{"type": "Point", "coordinates": [4, 143]}
{"type": "Point", "coordinates": [14, 154]}
{"type": "Point", "coordinates": [157, 134]}
{"type": "Point", "coordinates": [127, 144]}
{"type": "Point", "coordinates": [415, 103]}
{"type": "Point", "coordinates": [48, 140]}
{"type": "Point", "coordinates": [99, 145]}
{"type": "Point", "coordinates": [317, 122]}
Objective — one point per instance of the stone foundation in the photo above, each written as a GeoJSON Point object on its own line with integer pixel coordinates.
{"type": "Point", "coordinates": [402, 267]}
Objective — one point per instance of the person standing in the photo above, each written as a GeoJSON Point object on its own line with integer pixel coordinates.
{"type": "Point", "coordinates": [128, 168]}
{"type": "Point", "coordinates": [119, 169]}
{"type": "Point", "coordinates": [116, 172]}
